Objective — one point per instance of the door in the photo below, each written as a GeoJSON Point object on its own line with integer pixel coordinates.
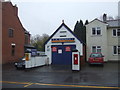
{"type": "Point", "coordinates": [62, 54]}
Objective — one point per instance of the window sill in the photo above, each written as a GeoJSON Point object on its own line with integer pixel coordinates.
{"type": "Point", "coordinates": [96, 35]}
{"type": "Point", "coordinates": [116, 36]}
{"type": "Point", "coordinates": [115, 54]}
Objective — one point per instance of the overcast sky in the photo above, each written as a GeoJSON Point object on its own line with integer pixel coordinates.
{"type": "Point", "coordinates": [45, 16]}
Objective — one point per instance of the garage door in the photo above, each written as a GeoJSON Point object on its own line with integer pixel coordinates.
{"type": "Point", "coordinates": [62, 54]}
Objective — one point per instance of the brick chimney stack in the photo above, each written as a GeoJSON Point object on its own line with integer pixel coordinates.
{"type": "Point", "coordinates": [104, 17]}
{"type": "Point", "coordinates": [16, 10]}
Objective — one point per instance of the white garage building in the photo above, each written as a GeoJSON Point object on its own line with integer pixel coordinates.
{"type": "Point", "coordinates": [60, 45]}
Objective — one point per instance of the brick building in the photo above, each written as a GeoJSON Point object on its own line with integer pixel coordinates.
{"type": "Point", "coordinates": [14, 35]}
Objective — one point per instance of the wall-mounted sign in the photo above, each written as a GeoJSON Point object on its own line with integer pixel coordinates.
{"type": "Point", "coordinates": [60, 51]}
{"type": "Point", "coordinates": [33, 52]}
{"type": "Point", "coordinates": [26, 56]}
{"type": "Point", "coordinates": [67, 49]}
{"type": "Point", "coordinates": [57, 40]}
{"type": "Point", "coordinates": [54, 49]}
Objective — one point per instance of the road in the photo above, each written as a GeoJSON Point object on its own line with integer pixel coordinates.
{"type": "Point", "coordinates": [55, 76]}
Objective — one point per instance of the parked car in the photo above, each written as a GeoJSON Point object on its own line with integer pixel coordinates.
{"type": "Point", "coordinates": [20, 64]}
{"type": "Point", "coordinates": [96, 58]}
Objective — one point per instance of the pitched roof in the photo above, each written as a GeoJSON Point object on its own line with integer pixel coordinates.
{"type": "Point", "coordinates": [63, 24]}
{"type": "Point", "coordinates": [113, 23]}
{"type": "Point", "coordinates": [97, 20]}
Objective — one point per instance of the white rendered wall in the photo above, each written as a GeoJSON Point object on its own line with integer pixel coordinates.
{"type": "Point", "coordinates": [68, 34]}
{"type": "Point", "coordinates": [100, 40]}
{"type": "Point", "coordinates": [112, 41]}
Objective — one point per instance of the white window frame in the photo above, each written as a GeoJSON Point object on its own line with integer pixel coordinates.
{"type": "Point", "coordinates": [96, 29]}
{"type": "Point", "coordinates": [116, 50]}
{"type": "Point", "coordinates": [96, 48]}
{"type": "Point", "coordinates": [116, 31]}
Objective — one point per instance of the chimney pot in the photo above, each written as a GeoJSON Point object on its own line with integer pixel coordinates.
{"type": "Point", "coordinates": [104, 17]}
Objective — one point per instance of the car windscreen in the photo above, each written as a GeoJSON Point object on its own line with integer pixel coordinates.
{"type": "Point", "coordinates": [96, 55]}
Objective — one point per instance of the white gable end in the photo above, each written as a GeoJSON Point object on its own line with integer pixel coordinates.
{"type": "Point", "coordinates": [63, 33]}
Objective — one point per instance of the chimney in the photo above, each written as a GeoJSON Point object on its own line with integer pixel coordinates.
{"type": "Point", "coordinates": [16, 10]}
{"type": "Point", "coordinates": [104, 17]}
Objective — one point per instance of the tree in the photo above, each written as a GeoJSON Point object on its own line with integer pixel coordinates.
{"type": "Point", "coordinates": [76, 29]}
{"type": "Point", "coordinates": [79, 31]}
{"type": "Point", "coordinates": [81, 23]}
{"type": "Point", "coordinates": [86, 22]}
{"type": "Point", "coordinates": [38, 41]}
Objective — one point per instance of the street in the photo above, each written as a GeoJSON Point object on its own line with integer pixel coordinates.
{"type": "Point", "coordinates": [57, 76]}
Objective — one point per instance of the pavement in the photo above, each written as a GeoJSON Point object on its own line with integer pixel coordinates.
{"type": "Point", "coordinates": [61, 76]}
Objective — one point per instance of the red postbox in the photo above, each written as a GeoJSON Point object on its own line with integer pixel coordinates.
{"type": "Point", "coordinates": [76, 59]}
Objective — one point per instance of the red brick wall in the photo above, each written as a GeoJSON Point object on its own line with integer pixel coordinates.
{"type": "Point", "coordinates": [27, 38]}
{"type": "Point", "coordinates": [83, 58]}
{"type": "Point", "coordinates": [11, 20]}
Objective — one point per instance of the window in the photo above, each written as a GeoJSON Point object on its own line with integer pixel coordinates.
{"type": "Point", "coordinates": [10, 32]}
{"type": "Point", "coordinates": [96, 49]}
{"type": "Point", "coordinates": [116, 32]}
{"type": "Point", "coordinates": [63, 36]}
{"type": "Point", "coordinates": [63, 31]}
{"type": "Point", "coordinates": [26, 39]}
{"type": "Point", "coordinates": [13, 51]}
{"type": "Point", "coordinates": [96, 31]}
{"type": "Point", "coordinates": [116, 49]}
{"type": "Point", "coordinates": [93, 31]}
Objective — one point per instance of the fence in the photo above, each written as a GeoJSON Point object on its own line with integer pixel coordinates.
{"type": "Point", "coordinates": [37, 61]}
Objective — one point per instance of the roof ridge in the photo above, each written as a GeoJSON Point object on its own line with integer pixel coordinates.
{"type": "Point", "coordinates": [113, 20]}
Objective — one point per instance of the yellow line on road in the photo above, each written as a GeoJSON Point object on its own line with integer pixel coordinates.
{"type": "Point", "coordinates": [29, 83]}
{"type": "Point", "coordinates": [14, 82]}
{"type": "Point", "coordinates": [78, 86]}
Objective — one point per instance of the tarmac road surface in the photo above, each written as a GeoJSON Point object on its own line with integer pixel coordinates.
{"type": "Point", "coordinates": [61, 76]}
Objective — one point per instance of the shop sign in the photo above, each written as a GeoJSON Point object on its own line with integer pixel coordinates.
{"type": "Point", "coordinates": [58, 40]}
{"type": "Point", "coordinates": [68, 49]}
{"type": "Point", "coordinates": [54, 49]}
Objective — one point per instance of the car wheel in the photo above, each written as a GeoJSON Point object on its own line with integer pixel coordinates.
{"type": "Point", "coordinates": [89, 64]}
{"type": "Point", "coordinates": [17, 68]}
{"type": "Point", "coordinates": [102, 65]}
{"type": "Point", "coordinates": [23, 66]}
